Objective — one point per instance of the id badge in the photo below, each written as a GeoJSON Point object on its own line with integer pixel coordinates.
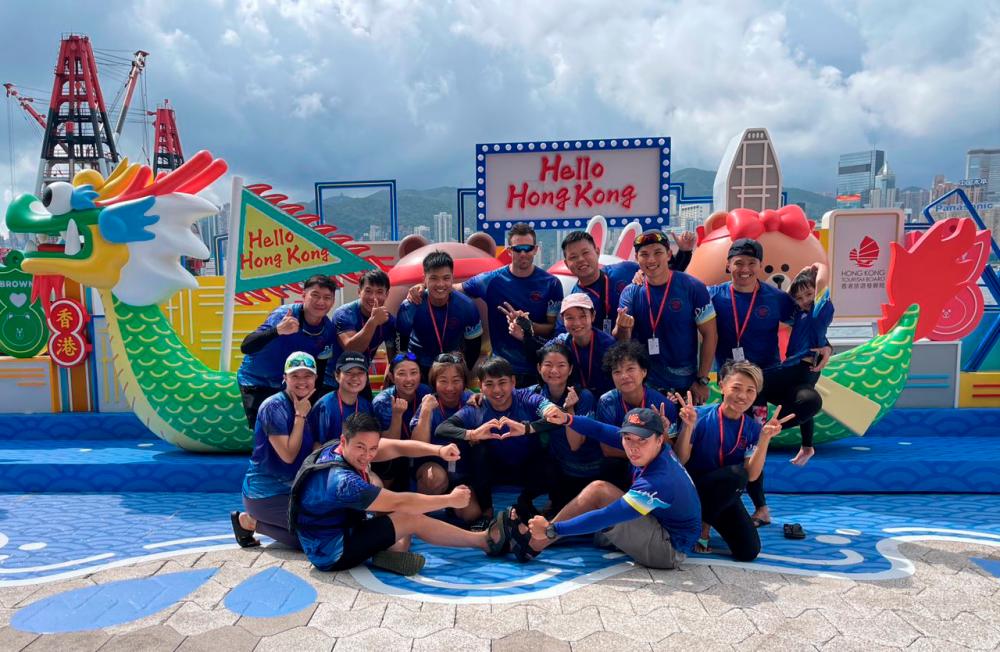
{"type": "Point", "coordinates": [608, 326]}
{"type": "Point", "coordinates": [653, 344]}
{"type": "Point", "coordinates": [738, 354]}
{"type": "Point", "coordinates": [451, 467]}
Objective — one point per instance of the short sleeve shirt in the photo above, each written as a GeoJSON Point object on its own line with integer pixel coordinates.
{"type": "Point", "coordinates": [328, 415]}
{"type": "Point", "coordinates": [607, 290]}
{"type": "Point", "coordinates": [268, 474]}
{"type": "Point", "coordinates": [447, 331]}
{"type": "Point", "coordinates": [738, 442]}
{"type": "Point", "coordinates": [588, 360]}
{"type": "Point", "coordinates": [759, 340]}
{"type": "Point", "coordinates": [525, 406]}
{"type": "Point", "coordinates": [266, 368]}
{"type": "Point", "coordinates": [349, 319]}
{"type": "Point", "coordinates": [612, 408]}
{"type": "Point", "coordinates": [382, 407]}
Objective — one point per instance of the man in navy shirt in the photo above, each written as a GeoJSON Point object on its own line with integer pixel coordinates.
{"type": "Point", "coordinates": [656, 522]}
{"type": "Point", "coordinates": [365, 323]}
{"type": "Point", "coordinates": [520, 286]}
{"type": "Point", "coordinates": [508, 459]}
{"type": "Point", "coordinates": [605, 285]}
{"type": "Point", "coordinates": [446, 321]}
{"type": "Point", "coordinates": [667, 313]}
{"type": "Point", "coordinates": [294, 327]}
{"type": "Point", "coordinates": [749, 315]}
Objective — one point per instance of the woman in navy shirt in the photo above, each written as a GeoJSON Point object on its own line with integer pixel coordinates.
{"type": "Point", "coordinates": [722, 449]}
{"type": "Point", "coordinates": [282, 438]}
{"type": "Point", "coordinates": [394, 408]}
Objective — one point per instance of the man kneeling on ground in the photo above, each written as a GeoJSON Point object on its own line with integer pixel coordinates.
{"type": "Point", "coordinates": [332, 498]}
{"type": "Point", "coordinates": [656, 522]}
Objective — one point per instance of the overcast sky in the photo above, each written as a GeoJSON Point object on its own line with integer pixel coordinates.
{"type": "Point", "coordinates": [294, 92]}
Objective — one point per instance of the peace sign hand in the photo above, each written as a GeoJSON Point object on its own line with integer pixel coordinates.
{"type": "Point", "coordinates": [662, 412]}
{"type": "Point", "coordinates": [685, 241]}
{"type": "Point", "coordinates": [773, 427]}
{"type": "Point", "coordinates": [687, 414]}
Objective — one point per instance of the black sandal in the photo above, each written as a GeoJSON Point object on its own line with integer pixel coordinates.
{"type": "Point", "coordinates": [794, 531]}
{"type": "Point", "coordinates": [501, 546]}
{"type": "Point", "coordinates": [244, 537]}
{"type": "Point", "coordinates": [520, 542]}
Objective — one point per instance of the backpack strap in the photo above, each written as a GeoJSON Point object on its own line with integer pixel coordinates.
{"type": "Point", "coordinates": [309, 465]}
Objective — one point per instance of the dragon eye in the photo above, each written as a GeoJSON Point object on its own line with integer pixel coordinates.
{"type": "Point", "coordinates": [58, 198]}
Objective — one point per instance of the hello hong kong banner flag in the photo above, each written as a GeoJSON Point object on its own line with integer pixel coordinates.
{"type": "Point", "coordinates": [276, 248]}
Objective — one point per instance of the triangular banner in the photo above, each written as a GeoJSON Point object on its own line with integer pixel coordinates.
{"type": "Point", "coordinates": [276, 248]}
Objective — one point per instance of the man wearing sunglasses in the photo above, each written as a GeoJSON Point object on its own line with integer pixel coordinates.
{"type": "Point", "coordinates": [667, 313]}
{"type": "Point", "coordinates": [521, 286]}
{"type": "Point", "coordinates": [445, 321]}
{"type": "Point", "coordinates": [289, 328]}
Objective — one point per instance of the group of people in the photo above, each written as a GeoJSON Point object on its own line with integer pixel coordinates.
{"type": "Point", "coordinates": [593, 406]}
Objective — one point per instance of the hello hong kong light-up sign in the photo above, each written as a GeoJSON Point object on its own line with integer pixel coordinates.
{"type": "Point", "coordinates": [562, 184]}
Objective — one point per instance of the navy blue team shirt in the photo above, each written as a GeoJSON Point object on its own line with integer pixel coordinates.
{"type": "Point", "coordinates": [349, 319]}
{"type": "Point", "coordinates": [607, 290]}
{"type": "Point", "coordinates": [760, 339]}
{"type": "Point", "coordinates": [736, 446]}
{"type": "Point", "coordinates": [611, 407]}
{"type": "Point", "coordinates": [382, 408]}
{"type": "Point", "coordinates": [588, 360]}
{"type": "Point", "coordinates": [525, 406]}
{"type": "Point", "coordinates": [456, 321]}
{"type": "Point", "coordinates": [539, 295]}
{"type": "Point", "coordinates": [329, 414]}
{"type": "Point", "coordinates": [809, 329]}
{"type": "Point", "coordinates": [266, 367]}
{"type": "Point", "coordinates": [269, 475]}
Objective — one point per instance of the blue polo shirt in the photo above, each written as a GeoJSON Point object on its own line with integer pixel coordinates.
{"type": "Point", "coordinates": [382, 407]}
{"type": "Point", "coordinates": [588, 360]}
{"type": "Point", "coordinates": [332, 501]}
{"type": "Point", "coordinates": [760, 339]}
{"type": "Point", "coordinates": [266, 367]}
{"type": "Point", "coordinates": [607, 290]}
{"type": "Point", "coordinates": [525, 406]}
{"type": "Point", "coordinates": [735, 446]}
{"type": "Point", "coordinates": [584, 462]}
{"type": "Point", "coordinates": [453, 323]}
{"type": "Point", "coordinates": [611, 407]}
{"type": "Point", "coordinates": [539, 295]}
{"type": "Point", "coordinates": [662, 489]}
{"type": "Point", "coordinates": [809, 329]}
{"type": "Point", "coordinates": [268, 474]}
{"type": "Point", "coordinates": [686, 307]}
{"type": "Point", "coordinates": [329, 414]}
{"type": "Point", "coordinates": [349, 319]}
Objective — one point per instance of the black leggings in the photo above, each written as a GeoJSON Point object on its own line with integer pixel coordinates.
{"type": "Point", "coordinates": [794, 389]}
{"type": "Point", "coordinates": [722, 508]}
{"type": "Point", "coordinates": [253, 396]}
{"type": "Point", "coordinates": [485, 472]}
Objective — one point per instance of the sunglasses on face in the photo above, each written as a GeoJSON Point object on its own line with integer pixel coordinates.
{"type": "Point", "coordinates": [301, 362]}
{"type": "Point", "coordinates": [399, 357]}
{"type": "Point", "coordinates": [652, 238]}
{"type": "Point", "coordinates": [522, 248]}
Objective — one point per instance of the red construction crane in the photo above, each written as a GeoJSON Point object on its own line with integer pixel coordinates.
{"type": "Point", "coordinates": [167, 153]}
{"type": "Point", "coordinates": [138, 65]}
{"type": "Point", "coordinates": [25, 103]}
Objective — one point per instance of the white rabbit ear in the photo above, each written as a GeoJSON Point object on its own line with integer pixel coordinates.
{"type": "Point", "coordinates": [597, 227]}
{"type": "Point", "coordinates": [624, 248]}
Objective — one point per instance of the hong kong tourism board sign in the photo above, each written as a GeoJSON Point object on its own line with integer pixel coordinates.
{"type": "Point", "coordinates": [860, 242]}
{"type": "Point", "coordinates": [562, 184]}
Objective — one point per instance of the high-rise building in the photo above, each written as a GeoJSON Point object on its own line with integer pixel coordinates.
{"type": "Point", "coordinates": [856, 177]}
{"type": "Point", "coordinates": [443, 231]}
{"type": "Point", "coordinates": [749, 175]}
{"type": "Point", "coordinates": [883, 194]}
{"type": "Point", "coordinates": [422, 230]}
{"type": "Point", "coordinates": [985, 164]}
{"type": "Point", "coordinates": [912, 200]}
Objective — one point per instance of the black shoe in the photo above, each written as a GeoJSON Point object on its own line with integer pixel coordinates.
{"type": "Point", "coordinates": [244, 537]}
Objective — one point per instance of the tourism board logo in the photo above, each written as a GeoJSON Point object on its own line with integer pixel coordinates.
{"type": "Point", "coordinates": [866, 253]}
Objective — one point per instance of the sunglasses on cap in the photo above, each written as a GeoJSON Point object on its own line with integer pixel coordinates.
{"type": "Point", "coordinates": [654, 237]}
{"type": "Point", "coordinates": [295, 363]}
{"type": "Point", "coordinates": [399, 357]}
{"type": "Point", "coordinates": [522, 248]}
{"type": "Point", "coordinates": [451, 358]}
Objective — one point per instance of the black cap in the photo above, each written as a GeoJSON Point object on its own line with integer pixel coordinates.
{"type": "Point", "coordinates": [642, 422]}
{"type": "Point", "coordinates": [746, 247]}
{"type": "Point", "coordinates": [350, 360]}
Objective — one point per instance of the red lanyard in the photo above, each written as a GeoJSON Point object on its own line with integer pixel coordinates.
{"type": "Point", "coordinates": [340, 404]}
{"type": "Point", "coordinates": [444, 328]}
{"type": "Point", "coordinates": [607, 294]}
{"type": "Point", "coordinates": [746, 320]}
{"type": "Point", "coordinates": [739, 437]}
{"type": "Point", "coordinates": [364, 474]}
{"type": "Point", "coordinates": [656, 322]}
{"type": "Point", "coordinates": [590, 360]}
{"type": "Point", "coordinates": [625, 408]}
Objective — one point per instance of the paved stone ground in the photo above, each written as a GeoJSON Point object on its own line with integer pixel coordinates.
{"type": "Point", "coordinates": [949, 603]}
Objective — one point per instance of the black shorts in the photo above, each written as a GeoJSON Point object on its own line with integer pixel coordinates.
{"type": "Point", "coordinates": [360, 543]}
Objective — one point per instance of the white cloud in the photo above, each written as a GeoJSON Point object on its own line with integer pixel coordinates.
{"type": "Point", "coordinates": [308, 105]}
{"type": "Point", "coordinates": [230, 37]}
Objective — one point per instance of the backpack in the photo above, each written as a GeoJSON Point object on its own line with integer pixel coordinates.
{"type": "Point", "coordinates": [309, 465]}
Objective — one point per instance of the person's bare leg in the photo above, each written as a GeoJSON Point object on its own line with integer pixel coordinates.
{"type": "Point", "coordinates": [402, 544]}
{"type": "Point", "coordinates": [803, 456]}
{"type": "Point", "coordinates": [437, 532]}
{"type": "Point", "coordinates": [432, 479]}
{"type": "Point", "coordinates": [248, 522]}
{"type": "Point", "coordinates": [595, 495]}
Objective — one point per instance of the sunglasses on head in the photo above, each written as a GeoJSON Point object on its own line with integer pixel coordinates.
{"type": "Point", "coordinates": [652, 238]}
{"type": "Point", "coordinates": [399, 357]}
{"type": "Point", "coordinates": [301, 362]}
{"type": "Point", "coordinates": [451, 358]}
{"type": "Point", "coordinates": [522, 248]}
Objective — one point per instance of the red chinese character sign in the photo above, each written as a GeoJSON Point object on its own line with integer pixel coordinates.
{"type": "Point", "coordinates": [938, 269]}
{"type": "Point", "coordinates": [562, 184]}
{"type": "Point", "coordinates": [68, 346]}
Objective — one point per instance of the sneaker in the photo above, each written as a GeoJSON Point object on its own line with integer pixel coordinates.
{"type": "Point", "coordinates": [401, 563]}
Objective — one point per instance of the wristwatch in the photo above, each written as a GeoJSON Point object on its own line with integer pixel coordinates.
{"type": "Point", "coordinates": [704, 380]}
{"type": "Point", "coordinates": [527, 427]}
{"type": "Point", "coordinates": [550, 532]}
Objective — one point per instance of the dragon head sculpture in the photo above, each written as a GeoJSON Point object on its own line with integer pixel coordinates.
{"type": "Point", "coordinates": [125, 233]}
